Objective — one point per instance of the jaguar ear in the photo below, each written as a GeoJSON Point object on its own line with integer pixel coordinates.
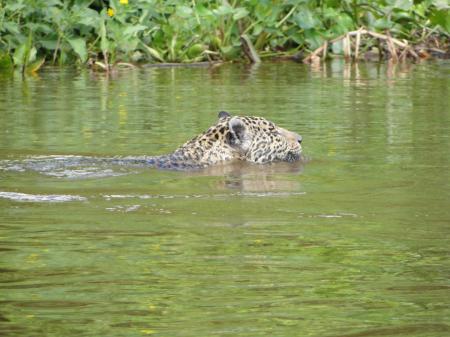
{"type": "Point", "coordinates": [224, 114]}
{"type": "Point", "coordinates": [239, 133]}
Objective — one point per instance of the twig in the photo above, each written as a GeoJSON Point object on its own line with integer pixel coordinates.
{"type": "Point", "coordinates": [414, 54]}
{"type": "Point", "coordinates": [313, 54]}
{"type": "Point", "coordinates": [392, 49]}
{"type": "Point", "coordinates": [56, 48]}
{"type": "Point", "coordinates": [349, 47]}
{"type": "Point", "coordinates": [403, 54]}
{"type": "Point", "coordinates": [358, 41]}
{"type": "Point", "coordinates": [101, 65]}
{"type": "Point", "coordinates": [384, 37]}
{"type": "Point", "coordinates": [105, 58]}
{"type": "Point", "coordinates": [286, 17]}
{"type": "Point", "coordinates": [325, 48]}
{"type": "Point", "coordinates": [125, 64]}
{"type": "Point", "coordinates": [391, 42]}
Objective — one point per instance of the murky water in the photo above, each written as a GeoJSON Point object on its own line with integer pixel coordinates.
{"type": "Point", "coordinates": [354, 242]}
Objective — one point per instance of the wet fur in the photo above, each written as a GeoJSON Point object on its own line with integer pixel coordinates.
{"type": "Point", "coordinates": [252, 139]}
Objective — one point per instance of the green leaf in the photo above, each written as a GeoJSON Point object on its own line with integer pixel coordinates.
{"type": "Point", "coordinates": [79, 46]}
{"type": "Point", "coordinates": [89, 17]}
{"type": "Point", "coordinates": [257, 29]}
{"type": "Point", "coordinates": [19, 55]}
{"type": "Point", "coordinates": [223, 10]}
{"type": "Point", "coordinates": [12, 27]}
{"type": "Point", "coordinates": [305, 19]}
{"type": "Point", "coordinates": [195, 50]}
{"type": "Point", "coordinates": [441, 18]}
{"type": "Point", "coordinates": [15, 6]}
{"type": "Point", "coordinates": [383, 23]}
{"type": "Point", "coordinates": [230, 52]}
{"type": "Point", "coordinates": [153, 52]}
{"type": "Point", "coordinates": [104, 44]}
{"type": "Point", "coordinates": [49, 44]}
{"type": "Point", "coordinates": [240, 13]}
{"type": "Point", "coordinates": [31, 55]}
{"type": "Point", "coordinates": [313, 39]}
{"type": "Point", "coordinates": [344, 22]}
{"type": "Point", "coordinates": [202, 10]}
{"type": "Point", "coordinates": [24, 53]}
{"type": "Point", "coordinates": [132, 30]}
{"type": "Point", "coordinates": [62, 57]}
{"type": "Point", "coordinates": [184, 11]}
{"type": "Point", "coordinates": [6, 63]}
{"type": "Point", "coordinates": [403, 4]}
{"type": "Point", "coordinates": [297, 38]}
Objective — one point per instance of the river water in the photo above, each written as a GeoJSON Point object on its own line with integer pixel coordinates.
{"type": "Point", "coordinates": [354, 241]}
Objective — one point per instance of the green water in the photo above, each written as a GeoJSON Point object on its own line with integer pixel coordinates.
{"type": "Point", "coordinates": [354, 242]}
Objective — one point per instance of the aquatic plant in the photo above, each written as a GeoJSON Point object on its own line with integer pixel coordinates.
{"type": "Point", "coordinates": [104, 32]}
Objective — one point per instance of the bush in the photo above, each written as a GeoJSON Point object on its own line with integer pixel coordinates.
{"type": "Point", "coordinates": [67, 32]}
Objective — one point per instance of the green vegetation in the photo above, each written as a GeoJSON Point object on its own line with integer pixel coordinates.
{"type": "Point", "coordinates": [82, 31]}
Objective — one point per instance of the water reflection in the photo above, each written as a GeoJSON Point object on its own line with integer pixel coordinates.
{"type": "Point", "coordinates": [359, 72]}
{"type": "Point", "coordinates": [247, 177]}
{"type": "Point", "coordinates": [352, 243]}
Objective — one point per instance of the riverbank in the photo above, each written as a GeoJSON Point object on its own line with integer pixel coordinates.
{"type": "Point", "coordinates": [105, 33]}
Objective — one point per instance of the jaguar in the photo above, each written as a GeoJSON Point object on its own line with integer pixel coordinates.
{"type": "Point", "coordinates": [233, 138]}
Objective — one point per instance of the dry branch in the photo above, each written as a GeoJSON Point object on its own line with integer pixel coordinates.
{"type": "Point", "coordinates": [393, 45]}
{"type": "Point", "coordinates": [325, 48]}
{"type": "Point", "coordinates": [358, 41]}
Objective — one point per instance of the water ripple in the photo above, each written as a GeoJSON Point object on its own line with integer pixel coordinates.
{"type": "Point", "coordinates": [71, 167]}
{"type": "Point", "coordinates": [24, 197]}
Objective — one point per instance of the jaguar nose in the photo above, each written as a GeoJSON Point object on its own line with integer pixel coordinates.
{"type": "Point", "coordinates": [299, 139]}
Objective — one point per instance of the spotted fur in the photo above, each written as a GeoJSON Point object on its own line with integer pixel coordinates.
{"type": "Point", "coordinates": [252, 139]}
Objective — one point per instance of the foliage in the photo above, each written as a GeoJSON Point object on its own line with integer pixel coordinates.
{"type": "Point", "coordinates": [188, 31]}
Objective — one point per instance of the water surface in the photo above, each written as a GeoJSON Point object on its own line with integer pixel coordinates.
{"type": "Point", "coordinates": [353, 242]}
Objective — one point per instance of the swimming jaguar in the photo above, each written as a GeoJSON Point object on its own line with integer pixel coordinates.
{"type": "Point", "coordinates": [251, 139]}
{"type": "Point", "coordinates": [232, 138]}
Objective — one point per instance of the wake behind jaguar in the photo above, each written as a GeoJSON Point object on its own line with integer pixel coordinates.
{"type": "Point", "coordinates": [230, 139]}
